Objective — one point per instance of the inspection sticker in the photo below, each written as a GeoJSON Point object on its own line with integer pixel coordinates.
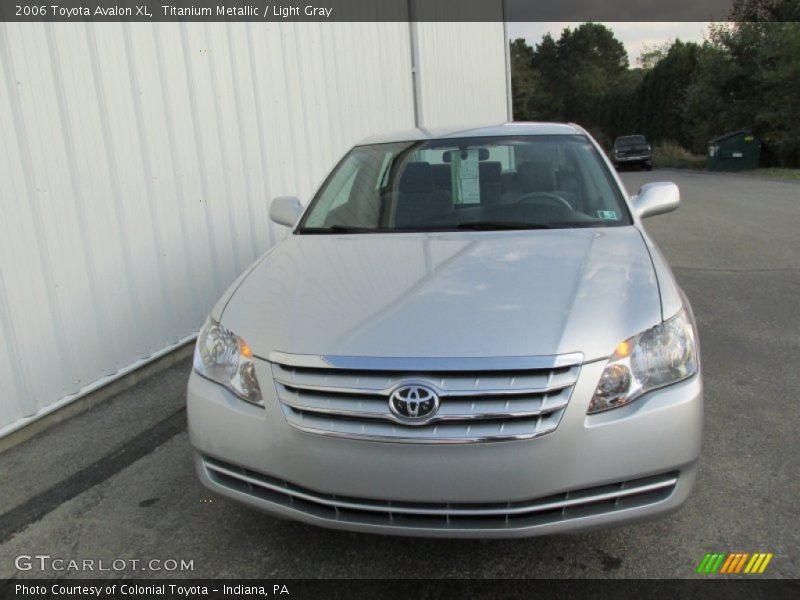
{"type": "Point", "coordinates": [607, 215]}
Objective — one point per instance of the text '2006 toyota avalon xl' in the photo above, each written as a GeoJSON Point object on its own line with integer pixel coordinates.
{"type": "Point", "coordinates": [467, 333]}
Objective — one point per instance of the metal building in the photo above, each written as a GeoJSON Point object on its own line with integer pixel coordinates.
{"type": "Point", "coordinates": [137, 160]}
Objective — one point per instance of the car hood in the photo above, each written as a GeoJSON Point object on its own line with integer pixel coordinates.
{"type": "Point", "coordinates": [471, 294]}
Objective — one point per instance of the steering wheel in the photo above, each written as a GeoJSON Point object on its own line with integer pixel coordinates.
{"type": "Point", "coordinates": [532, 197]}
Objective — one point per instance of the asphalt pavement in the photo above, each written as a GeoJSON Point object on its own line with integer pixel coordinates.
{"type": "Point", "coordinates": [117, 481]}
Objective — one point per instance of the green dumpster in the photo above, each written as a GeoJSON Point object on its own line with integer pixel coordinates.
{"type": "Point", "coordinates": [737, 151]}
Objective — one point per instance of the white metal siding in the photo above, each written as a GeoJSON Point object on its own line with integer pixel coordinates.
{"type": "Point", "coordinates": [462, 73]}
{"type": "Point", "coordinates": [136, 162]}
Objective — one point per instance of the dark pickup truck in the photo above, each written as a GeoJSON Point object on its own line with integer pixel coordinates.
{"type": "Point", "coordinates": [632, 150]}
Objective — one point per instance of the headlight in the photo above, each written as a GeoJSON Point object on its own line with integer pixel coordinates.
{"type": "Point", "coordinates": [660, 356]}
{"type": "Point", "coordinates": [225, 358]}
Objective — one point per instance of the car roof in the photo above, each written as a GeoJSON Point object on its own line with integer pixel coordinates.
{"type": "Point", "coordinates": [503, 129]}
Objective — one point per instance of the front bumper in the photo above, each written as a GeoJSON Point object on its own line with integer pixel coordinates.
{"type": "Point", "coordinates": [628, 464]}
{"type": "Point", "coordinates": [644, 159]}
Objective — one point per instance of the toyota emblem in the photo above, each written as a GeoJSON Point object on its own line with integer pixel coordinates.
{"type": "Point", "coordinates": [414, 403]}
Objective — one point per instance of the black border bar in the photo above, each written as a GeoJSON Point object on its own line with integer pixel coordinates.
{"type": "Point", "coordinates": [362, 10]}
{"type": "Point", "coordinates": [332, 589]}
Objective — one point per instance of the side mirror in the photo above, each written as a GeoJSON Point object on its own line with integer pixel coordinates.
{"type": "Point", "coordinates": [285, 210]}
{"type": "Point", "coordinates": [656, 199]}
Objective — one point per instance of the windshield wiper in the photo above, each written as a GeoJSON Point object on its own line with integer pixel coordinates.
{"type": "Point", "coordinates": [338, 229]}
{"type": "Point", "coordinates": [500, 225]}
{"type": "Point", "coordinates": [475, 226]}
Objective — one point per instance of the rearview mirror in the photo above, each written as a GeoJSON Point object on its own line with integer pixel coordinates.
{"type": "Point", "coordinates": [656, 199]}
{"type": "Point", "coordinates": [285, 210]}
{"type": "Point", "coordinates": [483, 154]}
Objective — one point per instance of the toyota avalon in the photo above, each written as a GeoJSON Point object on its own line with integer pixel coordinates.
{"type": "Point", "coordinates": [466, 333]}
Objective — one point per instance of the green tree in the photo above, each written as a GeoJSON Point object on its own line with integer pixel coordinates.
{"type": "Point", "coordinates": [547, 104]}
{"type": "Point", "coordinates": [748, 77]}
{"type": "Point", "coordinates": [651, 54]}
{"type": "Point", "coordinates": [661, 95]}
{"type": "Point", "coordinates": [618, 116]}
{"type": "Point", "coordinates": [778, 117]}
{"type": "Point", "coordinates": [592, 61]}
{"type": "Point", "coordinates": [522, 78]}
{"type": "Point", "coordinates": [765, 10]}
{"type": "Point", "coordinates": [569, 76]}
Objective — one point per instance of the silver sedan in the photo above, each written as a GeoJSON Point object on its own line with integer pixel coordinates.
{"type": "Point", "coordinates": [468, 334]}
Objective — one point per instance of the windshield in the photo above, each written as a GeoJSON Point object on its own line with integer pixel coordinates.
{"type": "Point", "coordinates": [521, 182]}
{"type": "Point", "coordinates": [633, 140]}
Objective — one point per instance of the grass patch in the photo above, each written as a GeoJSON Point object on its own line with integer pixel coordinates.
{"type": "Point", "coordinates": [669, 155]}
{"type": "Point", "coordinates": [775, 173]}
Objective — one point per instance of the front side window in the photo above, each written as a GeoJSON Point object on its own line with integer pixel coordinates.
{"type": "Point", "coordinates": [520, 182]}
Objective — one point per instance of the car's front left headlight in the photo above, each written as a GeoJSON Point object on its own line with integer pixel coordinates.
{"type": "Point", "coordinates": [660, 356]}
{"type": "Point", "coordinates": [225, 358]}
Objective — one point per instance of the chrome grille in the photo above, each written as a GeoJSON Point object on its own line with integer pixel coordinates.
{"type": "Point", "coordinates": [568, 505]}
{"type": "Point", "coordinates": [493, 404]}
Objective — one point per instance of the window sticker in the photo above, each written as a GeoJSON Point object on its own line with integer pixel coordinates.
{"type": "Point", "coordinates": [465, 177]}
{"type": "Point", "coordinates": [607, 215]}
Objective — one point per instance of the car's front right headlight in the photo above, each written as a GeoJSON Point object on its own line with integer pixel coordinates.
{"type": "Point", "coordinates": [223, 357]}
{"type": "Point", "coordinates": [660, 356]}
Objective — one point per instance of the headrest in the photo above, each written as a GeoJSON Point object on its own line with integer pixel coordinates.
{"type": "Point", "coordinates": [416, 178]}
{"type": "Point", "coordinates": [536, 176]}
{"type": "Point", "coordinates": [489, 171]}
{"type": "Point", "coordinates": [442, 176]}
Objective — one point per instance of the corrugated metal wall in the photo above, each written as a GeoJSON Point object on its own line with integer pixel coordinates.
{"type": "Point", "coordinates": [136, 161]}
{"type": "Point", "coordinates": [462, 76]}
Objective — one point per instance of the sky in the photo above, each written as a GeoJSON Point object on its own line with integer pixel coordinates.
{"type": "Point", "coordinates": [634, 35]}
